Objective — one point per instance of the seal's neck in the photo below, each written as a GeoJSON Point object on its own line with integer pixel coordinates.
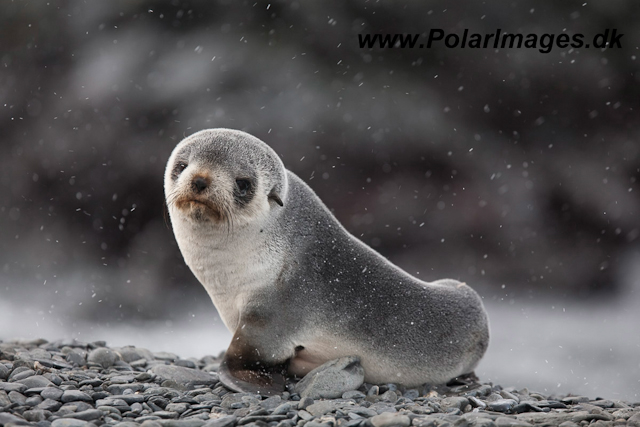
{"type": "Point", "coordinates": [232, 267]}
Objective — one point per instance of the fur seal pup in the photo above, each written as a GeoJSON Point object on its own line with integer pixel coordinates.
{"type": "Point", "coordinates": [295, 288]}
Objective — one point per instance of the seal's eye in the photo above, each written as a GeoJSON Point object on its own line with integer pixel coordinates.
{"type": "Point", "coordinates": [243, 186]}
{"type": "Point", "coordinates": [177, 169]}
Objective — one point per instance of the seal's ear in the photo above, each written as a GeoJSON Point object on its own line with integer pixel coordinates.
{"type": "Point", "coordinates": [275, 197]}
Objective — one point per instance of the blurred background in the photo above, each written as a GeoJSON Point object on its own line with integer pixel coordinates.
{"type": "Point", "coordinates": [511, 169]}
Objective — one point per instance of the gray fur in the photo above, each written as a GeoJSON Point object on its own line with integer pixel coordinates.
{"type": "Point", "coordinates": [308, 282]}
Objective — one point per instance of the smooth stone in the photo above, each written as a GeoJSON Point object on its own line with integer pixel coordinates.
{"type": "Point", "coordinates": [74, 358]}
{"type": "Point", "coordinates": [177, 407]}
{"type": "Point", "coordinates": [511, 422]}
{"type": "Point", "coordinates": [580, 416]}
{"type": "Point", "coordinates": [87, 415]}
{"type": "Point", "coordinates": [164, 355]}
{"type": "Point", "coordinates": [477, 403]}
{"type": "Point", "coordinates": [225, 421]}
{"type": "Point", "coordinates": [35, 381]}
{"type": "Point", "coordinates": [501, 405]}
{"type": "Point", "coordinates": [353, 394]}
{"type": "Point", "coordinates": [74, 395]}
{"type": "Point", "coordinates": [34, 415]}
{"type": "Point", "coordinates": [103, 356]}
{"type": "Point", "coordinates": [33, 400]}
{"type": "Point", "coordinates": [411, 394]}
{"type": "Point", "coordinates": [69, 422]}
{"type": "Point", "coordinates": [49, 405]}
{"type": "Point", "coordinates": [389, 396]}
{"type": "Point", "coordinates": [332, 379]}
{"type": "Point", "coordinates": [4, 372]}
{"type": "Point", "coordinates": [271, 402]}
{"type": "Point", "coordinates": [305, 415]}
{"type": "Point", "coordinates": [22, 375]}
{"type": "Point", "coordinates": [283, 409]}
{"type": "Point", "coordinates": [572, 400]}
{"type": "Point", "coordinates": [128, 398]}
{"type": "Point", "coordinates": [363, 412]}
{"type": "Point", "coordinates": [18, 398]}
{"type": "Point", "coordinates": [454, 402]}
{"type": "Point", "coordinates": [186, 363]}
{"type": "Point", "coordinates": [320, 408]}
{"type": "Point", "coordinates": [6, 418]}
{"type": "Point", "coordinates": [131, 354]}
{"type": "Point", "coordinates": [126, 424]}
{"type": "Point", "coordinates": [634, 420]}
{"type": "Point", "coordinates": [9, 387]}
{"type": "Point", "coordinates": [4, 399]}
{"type": "Point", "coordinates": [318, 424]}
{"type": "Point", "coordinates": [184, 376]}
{"type": "Point", "coordinates": [507, 395]}
{"type": "Point", "coordinates": [181, 423]}
{"type": "Point", "coordinates": [304, 402]}
{"type": "Point", "coordinates": [166, 414]}
{"type": "Point", "coordinates": [389, 419]}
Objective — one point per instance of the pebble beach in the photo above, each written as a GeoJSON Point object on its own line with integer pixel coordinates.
{"type": "Point", "coordinates": [82, 384]}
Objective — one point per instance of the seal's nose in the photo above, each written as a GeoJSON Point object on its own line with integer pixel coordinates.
{"type": "Point", "coordinates": [199, 184]}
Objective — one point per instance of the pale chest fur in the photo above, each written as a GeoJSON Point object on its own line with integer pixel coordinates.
{"type": "Point", "coordinates": [231, 269]}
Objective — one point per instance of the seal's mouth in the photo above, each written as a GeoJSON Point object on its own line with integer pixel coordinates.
{"type": "Point", "coordinates": [200, 209]}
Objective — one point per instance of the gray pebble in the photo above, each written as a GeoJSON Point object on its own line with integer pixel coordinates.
{"type": "Point", "coordinates": [501, 405]}
{"type": "Point", "coordinates": [166, 356]}
{"type": "Point", "coordinates": [4, 372]}
{"type": "Point", "coordinates": [304, 402]}
{"type": "Point", "coordinates": [305, 415]}
{"type": "Point", "coordinates": [411, 394]}
{"type": "Point", "coordinates": [74, 358]}
{"type": "Point", "coordinates": [69, 422]}
{"type": "Point", "coordinates": [87, 415]}
{"type": "Point", "coordinates": [353, 394]}
{"type": "Point", "coordinates": [166, 414]}
{"type": "Point", "coordinates": [271, 402]}
{"type": "Point", "coordinates": [50, 405]}
{"type": "Point", "coordinates": [389, 396]}
{"type": "Point", "coordinates": [388, 419]}
{"type": "Point", "coordinates": [21, 374]}
{"type": "Point", "coordinates": [282, 409]}
{"type": "Point", "coordinates": [34, 415]}
{"type": "Point", "coordinates": [181, 423]}
{"type": "Point", "coordinates": [225, 421]}
{"type": "Point", "coordinates": [184, 376]}
{"type": "Point", "coordinates": [33, 400]}
{"type": "Point", "coordinates": [177, 407]}
{"type": "Point", "coordinates": [12, 387]}
{"type": "Point", "coordinates": [6, 418]}
{"type": "Point", "coordinates": [35, 381]}
{"type": "Point", "coordinates": [332, 379]}
{"type": "Point", "coordinates": [454, 402]}
{"type": "Point", "coordinates": [103, 356]}
{"type": "Point", "coordinates": [321, 407]}
{"type": "Point", "coordinates": [74, 395]}
{"type": "Point", "coordinates": [18, 398]}
{"type": "Point", "coordinates": [477, 403]}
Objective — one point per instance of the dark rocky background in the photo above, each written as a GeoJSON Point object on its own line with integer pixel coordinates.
{"type": "Point", "coordinates": [514, 170]}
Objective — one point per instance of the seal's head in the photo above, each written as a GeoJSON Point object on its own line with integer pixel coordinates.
{"type": "Point", "coordinates": [223, 178]}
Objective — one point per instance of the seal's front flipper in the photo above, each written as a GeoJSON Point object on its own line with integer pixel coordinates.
{"type": "Point", "coordinates": [252, 379]}
{"type": "Point", "coordinates": [244, 370]}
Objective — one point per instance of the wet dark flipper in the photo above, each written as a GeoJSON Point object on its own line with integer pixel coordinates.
{"type": "Point", "coordinates": [242, 370]}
